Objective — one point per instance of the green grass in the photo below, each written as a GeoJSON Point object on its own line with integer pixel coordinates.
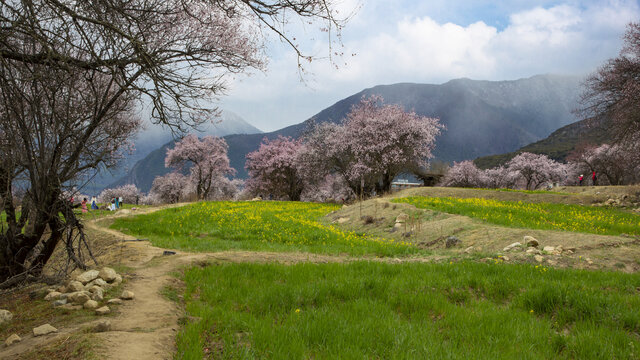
{"type": "Point", "coordinates": [548, 216]}
{"type": "Point", "coordinates": [270, 226]}
{"type": "Point", "coordinates": [527, 191]}
{"type": "Point", "coordinates": [367, 310]}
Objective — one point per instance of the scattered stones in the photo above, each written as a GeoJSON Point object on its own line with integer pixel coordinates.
{"type": "Point", "coordinates": [549, 249]}
{"type": "Point", "coordinates": [107, 274]}
{"type": "Point", "coordinates": [468, 250]}
{"type": "Point", "coordinates": [539, 258]}
{"type": "Point", "coordinates": [97, 295]}
{"type": "Point", "coordinates": [531, 241]}
{"type": "Point", "coordinates": [52, 296]}
{"type": "Point", "coordinates": [59, 302]}
{"type": "Point", "coordinates": [103, 310]}
{"type": "Point", "coordinates": [127, 295]}
{"type": "Point", "coordinates": [102, 326]}
{"type": "Point", "coordinates": [44, 330]}
{"type": "Point", "coordinates": [88, 276]}
{"type": "Point", "coordinates": [552, 262]}
{"type": "Point", "coordinates": [96, 282]}
{"type": "Point", "coordinates": [452, 241]}
{"type": "Point", "coordinates": [118, 280]}
{"type": "Point", "coordinates": [512, 246]}
{"type": "Point", "coordinates": [80, 297]}
{"type": "Point", "coordinates": [533, 250]}
{"type": "Point", "coordinates": [114, 302]}
{"type": "Point", "coordinates": [70, 307]}
{"type": "Point", "coordinates": [5, 316]}
{"type": "Point", "coordinates": [12, 340]}
{"type": "Point", "coordinates": [62, 289]}
{"type": "Point", "coordinates": [75, 286]}
{"type": "Point", "coordinates": [505, 258]}
{"type": "Point", "coordinates": [90, 304]}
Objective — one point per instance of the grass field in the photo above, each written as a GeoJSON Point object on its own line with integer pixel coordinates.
{"type": "Point", "coordinates": [273, 226]}
{"type": "Point", "coordinates": [575, 218]}
{"type": "Point", "coordinates": [369, 310]}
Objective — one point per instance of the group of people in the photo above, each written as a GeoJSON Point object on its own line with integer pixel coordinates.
{"type": "Point", "coordinates": [594, 179]}
{"type": "Point", "coordinates": [116, 203]}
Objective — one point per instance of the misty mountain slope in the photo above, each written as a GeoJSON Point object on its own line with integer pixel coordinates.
{"type": "Point", "coordinates": [150, 139]}
{"type": "Point", "coordinates": [482, 117]}
{"type": "Point", "coordinates": [557, 146]}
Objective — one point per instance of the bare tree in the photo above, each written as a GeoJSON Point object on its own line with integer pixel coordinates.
{"type": "Point", "coordinates": [72, 71]}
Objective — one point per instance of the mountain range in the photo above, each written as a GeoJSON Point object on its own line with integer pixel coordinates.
{"type": "Point", "coordinates": [481, 118]}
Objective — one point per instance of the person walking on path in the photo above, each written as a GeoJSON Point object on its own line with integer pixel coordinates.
{"type": "Point", "coordinates": [594, 178]}
{"type": "Point", "coordinates": [581, 178]}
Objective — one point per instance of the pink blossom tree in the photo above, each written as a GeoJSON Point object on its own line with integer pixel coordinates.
{"type": "Point", "coordinates": [206, 159]}
{"type": "Point", "coordinates": [616, 164]}
{"type": "Point", "coordinates": [273, 169]}
{"type": "Point", "coordinates": [374, 143]}
{"type": "Point", "coordinates": [464, 174]}
{"type": "Point", "coordinates": [129, 194]}
{"type": "Point", "coordinates": [536, 170]}
{"type": "Point", "coordinates": [169, 188]}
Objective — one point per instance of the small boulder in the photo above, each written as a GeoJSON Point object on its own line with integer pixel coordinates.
{"type": "Point", "coordinates": [107, 274]}
{"type": "Point", "coordinates": [59, 302]}
{"type": "Point", "coordinates": [118, 280]}
{"type": "Point", "coordinates": [505, 258]}
{"type": "Point", "coordinates": [5, 316]}
{"type": "Point", "coordinates": [12, 340]}
{"type": "Point", "coordinates": [552, 262]}
{"type": "Point", "coordinates": [512, 246]}
{"type": "Point", "coordinates": [75, 286]}
{"type": "Point", "coordinates": [114, 302]}
{"type": "Point", "coordinates": [90, 304]}
{"type": "Point", "coordinates": [70, 307]}
{"type": "Point", "coordinates": [539, 258]}
{"type": "Point", "coordinates": [97, 282]}
{"type": "Point", "coordinates": [468, 250]}
{"type": "Point", "coordinates": [102, 326]}
{"type": "Point", "coordinates": [52, 296]}
{"type": "Point", "coordinates": [452, 241]}
{"type": "Point", "coordinates": [44, 330]}
{"type": "Point", "coordinates": [88, 276]}
{"type": "Point", "coordinates": [549, 249]}
{"type": "Point", "coordinates": [531, 241]}
{"type": "Point", "coordinates": [81, 297]}
{"type": "Point", "coordinates": [127, 295]}
{"type": "Point", "coordinates": [533, 251]}
{"type": "Point", "coordinates": [103, 310]}
{"type": "Point", "coordinates": [97, 296]}
{"type": "Point", "coordinates": [62, 289]}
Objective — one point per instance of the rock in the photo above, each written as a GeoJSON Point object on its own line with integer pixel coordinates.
{"type": "Point", "coordinates": [12, 340]}
{"type": "Point", "coordinates": [75, 286]}
{"type": "Point", "coordinates": [118, 280]}
{"type": "Point", "coordinates": [59, 302]}
{"type": "Point", "coordinates": [103, 310]}
{"type": "Point", "coordinates": [505, 258]}
{"type": "Point", "coordinates": [127, 295]}
{"type": "Point", "coordinates": [102, 326]}
{"type": "Point", "coordinates": [512, 246]}
{"type": "Point", "coordinates": [468, 250]}
{"type": "Point", "coordinates": [5, 316]}
{"type": "Point", "coordinates": [114, 302]}
{"type": "Point", "coordinates": [88, 276]}
{"type": "Point", "coordinates": [256, 199]}
{"type": "Point", "coordinates": [452, 241]}
{"type": "Point", "coordinates": [97, 296]}
{"type": "Point", "coordinates": [549, 249]}
{"type": "Point", "coordinates": [44, 330]}
{"type": "Point", "coordinates": [96, 282]}
{"type": "Point", "coordinates": [552, 262]}
{"type": "Point", "coordinates": [80, 297]}
{"type": "Point", "coordinates": [52, 296]}
{"type": "Point", "coordinates": [531, 241]}
{"type": "Point", "coordinates": [539, 258]}
{"type": "Point", "coordinates": [533, 251]}
{"type": "Point", "coordinates": [62, 289]}
{"type": "Point", "coordinates": [402, 218]}
{"type": "Point", "coordinates": [90, 304]}
{"type": "Point", "coordinates": [569, 252]}
{"type": "Point", "coordinates": [70, 307]}
{"type": "Point", "coordinates": [342, 220]}
{"type": "Point", "coordinates": [107, 274]}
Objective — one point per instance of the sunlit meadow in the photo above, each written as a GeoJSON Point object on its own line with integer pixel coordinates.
{"type": "Point", "coordinates": [273, 226]}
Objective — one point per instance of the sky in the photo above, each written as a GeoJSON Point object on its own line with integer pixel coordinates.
{"type": "Point", "coordinates": [432, 41]}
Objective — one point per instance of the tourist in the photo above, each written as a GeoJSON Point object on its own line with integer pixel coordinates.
{"type": "Point", "coordinates": [84, 205]}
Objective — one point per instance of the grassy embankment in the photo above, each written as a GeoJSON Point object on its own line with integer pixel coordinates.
{"type": "Point", "coordinates": [263, 226]}
{"type": "Point", "coordinates": [418, 311]}
{"type": "Point", "coordinates": [545, 216]}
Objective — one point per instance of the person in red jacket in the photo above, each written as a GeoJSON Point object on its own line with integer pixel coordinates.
{"type": "Point", "coordinates": [594, 178]}
{"type": "Point", "coordinates": [580, 179]}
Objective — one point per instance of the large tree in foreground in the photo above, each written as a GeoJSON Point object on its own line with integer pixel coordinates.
{"type": "Point", "coordinates": [205, 158]}
{"type": "Point", "coordinates": [613, 92]}
{"type": "Point", "coordinates": [70, 73]}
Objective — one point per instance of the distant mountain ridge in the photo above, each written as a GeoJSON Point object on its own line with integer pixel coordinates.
{"type": "Point", "coordinates": [482, 118]}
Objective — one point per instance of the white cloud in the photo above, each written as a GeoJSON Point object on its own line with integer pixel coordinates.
{"type": "Point", "coordinates": [565, 38]}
